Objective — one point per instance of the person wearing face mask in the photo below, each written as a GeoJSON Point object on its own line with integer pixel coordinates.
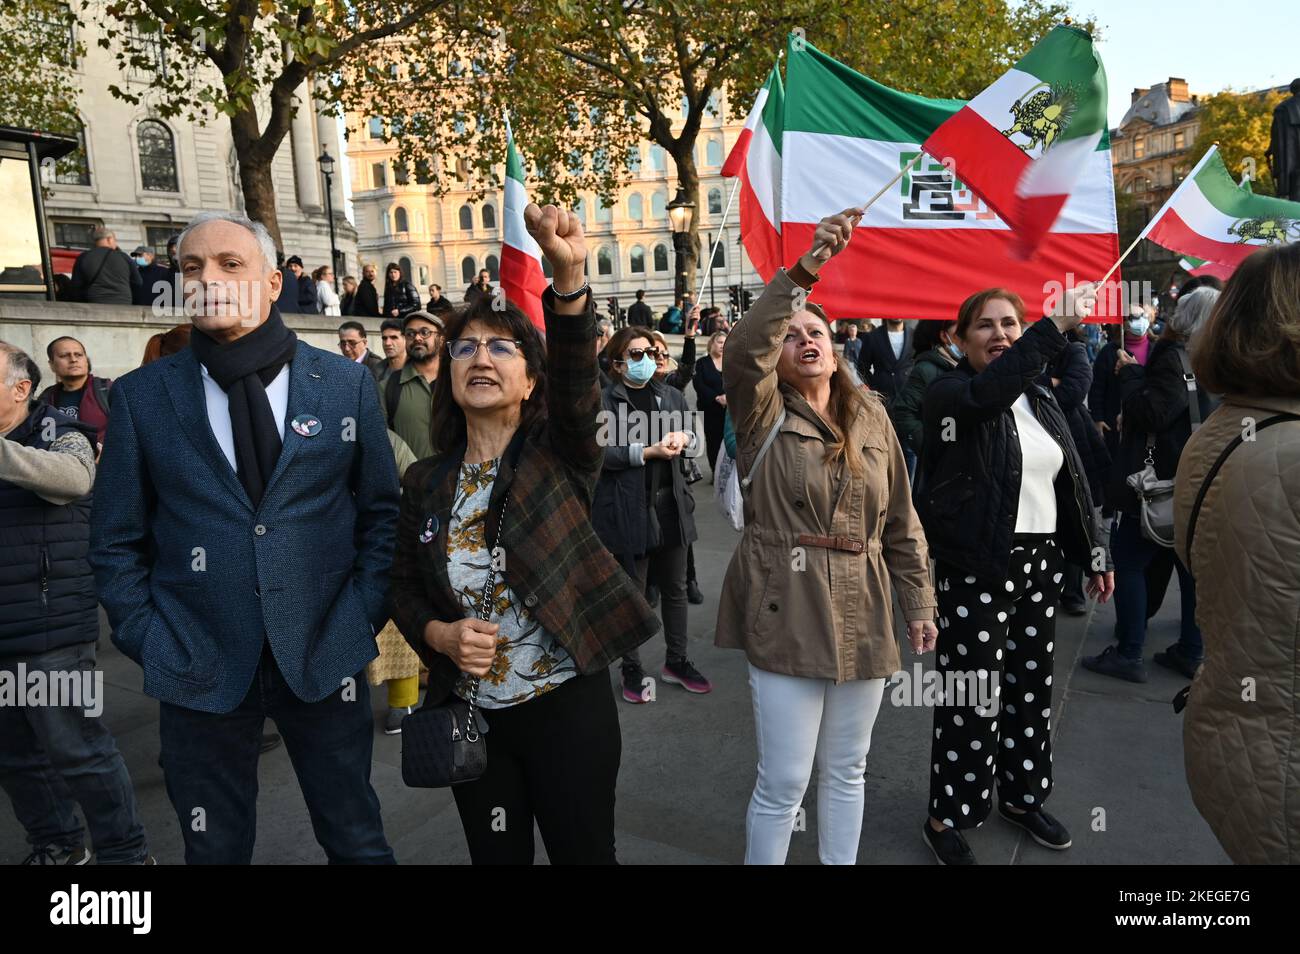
{"type": "Point", "coordinates": [1104, 395]}
{"type": "Point", "coordinates": [1005, 502]}
{"type": "Point", "coordinates": [936, 352]}
{"type": "Point", "coordinates": [642, 509]}
{"type": "Point", "coordinates": [830, 540]}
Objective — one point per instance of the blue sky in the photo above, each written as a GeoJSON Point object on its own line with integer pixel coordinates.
{"type": "Point", "coordinates": [1212, 45]}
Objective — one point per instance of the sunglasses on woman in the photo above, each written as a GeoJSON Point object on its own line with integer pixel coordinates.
{"type": "Point", "coordinates": [462, 349]}
{"type": "Point", "coordinates": [636, 354]}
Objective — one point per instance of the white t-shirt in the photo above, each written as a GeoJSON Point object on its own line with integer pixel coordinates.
{"type": "Point", "coordinates": [1041, 461]}
{"type": "Point", "coordinates": [896, 342]}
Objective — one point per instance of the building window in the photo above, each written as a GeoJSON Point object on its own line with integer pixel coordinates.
{"type": "Point", "coordinates": [603, 212]}
{"type": "Point", "coordinates": [400, 175]}
{"type": "Point", "coordinates": [720, 255]}
{"type": "Point", "coordinates": [157, 237]}
{"type": "Point", "coordinates": [55, 29]}
{"type": "Point", "coordinates": [1180, 140]}
{"type": "Point", "coordinates": [424, 275]}
{"type": "Point", "coordinates": [489, 216]}
{"type": "Point", "coordinates": [1139, 148]}
{"type": "Point", "coordinates": [145, 53]}
{"type": "Point", "coordinates": [604, 261]}
{"type": "Point", "coordinates": [74, 234]}
{"type": "Point", "coordinates": [686, 106]}
{"type": "Point", "coordinates": [494, 268]}
{"type": "Point", "coordinates": [575, 163]}
{"type": "Point", "coordinates": [661, 258]}
{"type": "Point", "coordinates": [580, 210]}
{"type": "Point", "coordinates": [466, 218]}
{"type": "Point", "coordinates": [636, 260]}
{"type": "Point", "coordinates": [1142, 184]}
{"type": "Point", "coordinates": [404, 264]}
{"type": "Point", "coordinates": [157, 157]}
{"type": "Point", "coordinates": [635, 207]}
{"type": "Point", "coordinates": [715, 202]}
{"type": "Point", "coordinates": [72, 169]}
{"type": "Point", "coordinates": [634, 158]}
{"type": "Point", "coordinates": [658, 206]}
{"type": "Point", "coordinates": [378, 175]}
{"type": "Point", "coordinates": [657, 158]}
{"type": "Point", "coordinates": [713, 153]}
{"type": "Point", "coordinates": [376, 127]}
{"type": "Point", "coordinates": [400, 221]}
{"type": "Point", "coordinates": [467, 269]}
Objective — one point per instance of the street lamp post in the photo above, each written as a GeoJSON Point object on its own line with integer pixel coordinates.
{"type": "Point", "coordinates": [681, 210]}
{"type": "Point", "coordinates": [326, 162]}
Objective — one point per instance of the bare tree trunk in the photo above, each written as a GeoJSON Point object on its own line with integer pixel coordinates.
{"type": "Point", "coordinates": [688, 180]}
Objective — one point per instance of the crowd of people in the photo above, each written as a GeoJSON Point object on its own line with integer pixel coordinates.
{"type": "Point", "coordinates": [490, 512]}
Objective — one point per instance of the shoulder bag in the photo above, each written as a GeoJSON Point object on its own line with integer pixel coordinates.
{"type": "Point", "coordinates": [1156, 496]}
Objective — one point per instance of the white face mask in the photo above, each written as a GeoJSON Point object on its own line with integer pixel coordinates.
{"type": "Point", "coordinates": [1138, 325]}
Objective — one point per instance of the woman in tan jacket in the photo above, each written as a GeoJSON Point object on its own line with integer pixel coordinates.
{"type": "Point", "coordinates": [1241, 737]}
{"type": "Point", "coordinates": [830, 538]}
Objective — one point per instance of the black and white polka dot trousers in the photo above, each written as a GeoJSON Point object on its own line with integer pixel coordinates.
{"type": "Point", "coordinates": [992, 727]}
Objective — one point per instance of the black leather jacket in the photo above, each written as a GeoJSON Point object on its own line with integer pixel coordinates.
{"type": "Point", "coordinates": [967, 490]}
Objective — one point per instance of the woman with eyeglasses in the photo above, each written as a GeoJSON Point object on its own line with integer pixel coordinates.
{"type": "Point", "coordinates": [516, 455]}
{"type": "Point", "coordinates": [643, 508]}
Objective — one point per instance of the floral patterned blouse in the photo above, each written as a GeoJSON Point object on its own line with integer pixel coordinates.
{"type": "Point", "coordinates": [529, 661]}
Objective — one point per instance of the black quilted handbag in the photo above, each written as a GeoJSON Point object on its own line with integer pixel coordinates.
{"type": "Point", "coordinates": [443, 745]}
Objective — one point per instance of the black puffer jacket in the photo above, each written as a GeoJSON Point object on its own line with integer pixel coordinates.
{"type": "Point", "coordinates": [1154, 401]}
{"type": "Point", "coordinates": [1073, 369]}
{"type": "Point", "coordinates": [967, 489]}
{"type": "Point", "coordinates": [47, 589]}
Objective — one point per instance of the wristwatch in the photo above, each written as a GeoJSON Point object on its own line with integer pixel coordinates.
{"type": "Point", "coordinates": [570, 296]}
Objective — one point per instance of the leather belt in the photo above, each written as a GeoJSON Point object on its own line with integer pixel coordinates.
{"type": "Point", "coordinates": [832, 543]}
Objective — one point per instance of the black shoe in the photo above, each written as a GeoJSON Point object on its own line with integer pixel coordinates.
{"type": "Point", "coordinates": [58, 855]}
{"type": "Point", "coordinates": [269, 741]}
{"type": "Point", "coordinates": [1110, 663]}
{"type": "Point", "coordinates": [948, 846]}
{"type": "Point", "coordinates": [1042, 827]}
{"type": "Point", "coordinates": [1173, 658]}
{"type": "Point", "coordinates": [652, 594]}
{"type": "Point", "coordinates": [693, 594]}
{"type": "Point", "coordinates": [633, 678]}
{"type": "Point", "coordinates": [1074, 607]}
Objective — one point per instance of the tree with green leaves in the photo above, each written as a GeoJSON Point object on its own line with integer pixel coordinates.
{"type": "Point", "coordinates": [1240, 123]}
{"type": "Point", "coordinates": [248, 60]}
{"type": "Point", "coordinates": [587, 80]}
{"type": "Point", "coordinates": [36, 83]}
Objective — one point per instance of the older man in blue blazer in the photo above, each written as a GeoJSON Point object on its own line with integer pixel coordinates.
{"type": "Point", "coordinates": [241, 540]}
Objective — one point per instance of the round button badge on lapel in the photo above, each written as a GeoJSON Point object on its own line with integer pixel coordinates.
{"type": "Point", "coordinates": [306, 425]}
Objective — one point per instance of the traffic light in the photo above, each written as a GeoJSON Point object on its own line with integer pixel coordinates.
{"type": "Point", "coordinates": [747, 299]}
{"type": "Point", "coordinates": [612, 308]}
{"type": "Point", "coordinates": [733, 295]}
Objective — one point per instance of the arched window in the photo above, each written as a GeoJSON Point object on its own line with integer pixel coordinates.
{"type": "Point", "coordinates": [494, 268]}
{"type": "Point", "coordinates": [467, 269]}
{"type": "Point", "coordinates": [603, 213]}
{"type": "Point", "coordinates": [157, 157]}
{"type": "Point", "coordinates": [489, 216]}
{"type": "Point", "coordinates": [604, 261]}
{"type": "Point", "coordinates": [657, 158]}
{"type": "Point", "coordinates": [400, 221]}
{"type": "Point", "coordinates": [661, 258]}
{"type": "Point", "coordinates": [635, 206]}
{"type": "Point", "coordinates": [658, 206]}
{"type": "Point", "coordinates": [466, 218]}
{"type": "Point", "coordinates": [713, 153]}
{"type": "Point", "coordinates": [715, 202]}
{"type": "Point", "coordinates": [405, 264]}
{"type": "Point", "coordinates": [636, 260]}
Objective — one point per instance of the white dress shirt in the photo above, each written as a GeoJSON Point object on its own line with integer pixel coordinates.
{"type": "Point", "coordinates": [277, 392]}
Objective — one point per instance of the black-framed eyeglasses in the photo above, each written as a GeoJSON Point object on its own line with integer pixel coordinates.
{"type": "Point", "coordinates": [462, 349]}
{"type": "Point", "coordinates": [636, 354]}
{"type": "Point", "coordinates": [424, 334]}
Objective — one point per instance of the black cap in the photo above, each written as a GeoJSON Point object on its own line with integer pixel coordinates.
{"type": "Point", "coordinates": [293, 260]}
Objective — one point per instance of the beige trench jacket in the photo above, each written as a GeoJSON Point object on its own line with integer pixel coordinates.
{"type": "Point", "coordinates": [1241, 732]}
{"type": "Point", "coordinates": [804, 610]}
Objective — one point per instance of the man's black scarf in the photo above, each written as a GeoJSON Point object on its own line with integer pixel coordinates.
{"type": "Point", "coordinates": [243, 368]}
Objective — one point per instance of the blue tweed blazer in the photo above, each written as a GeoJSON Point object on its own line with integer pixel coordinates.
{"type": "Point", "coordinates": [195, 580]}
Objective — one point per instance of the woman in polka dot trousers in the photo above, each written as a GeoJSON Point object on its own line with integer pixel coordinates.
{"type": "Point", "coordinates": [1003, 497]}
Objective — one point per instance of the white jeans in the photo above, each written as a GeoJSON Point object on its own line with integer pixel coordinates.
{"type": "Point", "coordinates": [798, 720]}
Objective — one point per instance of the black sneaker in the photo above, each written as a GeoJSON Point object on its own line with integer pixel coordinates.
{"type": "Point", "coordinates": [948, 846]}
{"type": "Point", "coordinates": [634, 685]}
{"type": "Point", "coordinates": [1042, 827]}
{"type": "Point", "coordinates": [1110, 663]}
{"type": "Point", "coordinates": [683, 673]}
{"type": "Point", "coordinates": [1174, 658]}
{"type": "Point", "coordinates": [652, 594]}
{"type": "Point", "coordinates": [693, 594]}
{"type": "Point", "coordinates": [58, 855]}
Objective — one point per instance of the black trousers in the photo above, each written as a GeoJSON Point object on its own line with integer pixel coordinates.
{"type": "Point", "coordinates": [997, 636]}
{"type": "Point", "coordinates": [553, 760]}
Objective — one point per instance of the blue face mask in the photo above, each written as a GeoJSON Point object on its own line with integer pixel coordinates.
{"type": "Point", "coordinates": [1138, 326]}
{"type": "Point", "coordinates": [953, 350]}
{"type": "Point", "coordinates": [639, 372]}
{"type": "Point", "coordinates": [141, 261]}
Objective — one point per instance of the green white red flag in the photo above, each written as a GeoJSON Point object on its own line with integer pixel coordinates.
{"type": "Point", "coordinates": [928, 244]}
{"type": "Point", "coordinates": [756, 159]}
{"type": "Point", "coordinates": [1025, 143]}
{"type": "Point", "coordinates": [1211, 217]}
{"type": "Point", "coordinates": [522, 278]}
{"type": "Point", "coordinates": [1199, 266]}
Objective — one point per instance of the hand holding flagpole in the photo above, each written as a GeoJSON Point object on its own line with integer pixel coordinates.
{"type": "Point", "coordinates": [862, 209]}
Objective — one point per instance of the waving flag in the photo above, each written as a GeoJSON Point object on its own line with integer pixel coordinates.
{"type": "Point", "coordinates": [1211, 217]}
{"type": "Point", "coordinates": [1026, 142]}
{"type": "Point", "coordinates": [756, 158]}
{"type": "Point", "coordinates": [929, 243]}
{"type": "Point", "coordinates": [521, 257]}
